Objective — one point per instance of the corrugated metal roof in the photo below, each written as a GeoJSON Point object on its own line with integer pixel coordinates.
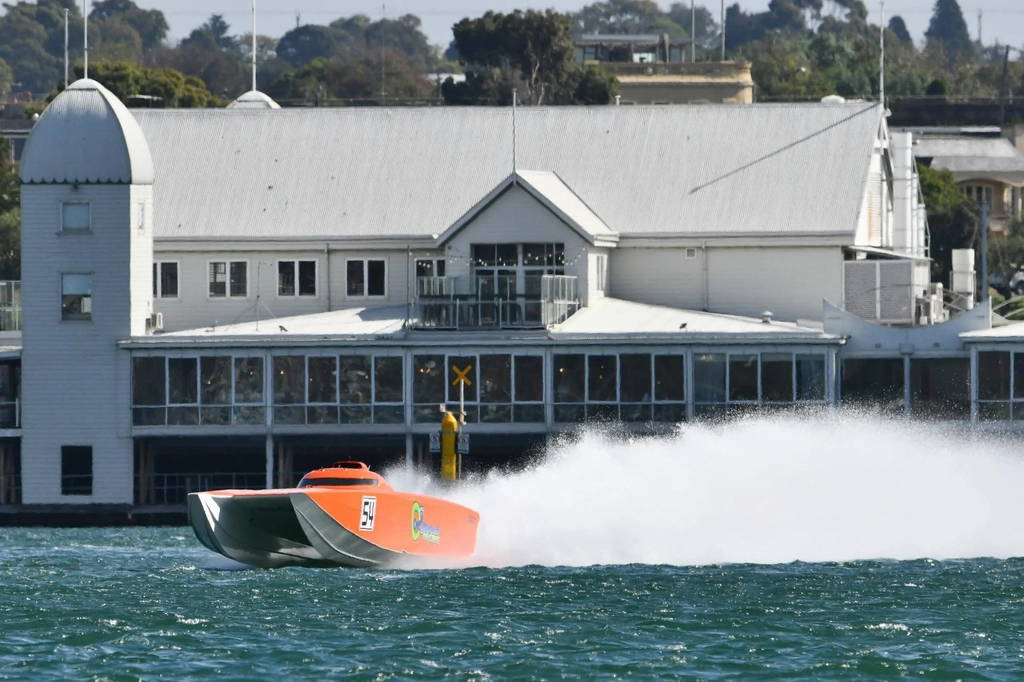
{"type": "Point", "coordinates": [963, 146]}
{"type": "Point", "coordinates": [379, 172]}
{"type": "Point", "coordinates": [355, 322]}
{"type": "Point", "coordinates": [87, 135]}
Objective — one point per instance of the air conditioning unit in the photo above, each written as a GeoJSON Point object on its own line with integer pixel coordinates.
{"type": "Point", "coordinates": [154, 323]}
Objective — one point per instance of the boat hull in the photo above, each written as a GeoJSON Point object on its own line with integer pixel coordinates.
{"type": "Point", "coordinates": [330, 527]}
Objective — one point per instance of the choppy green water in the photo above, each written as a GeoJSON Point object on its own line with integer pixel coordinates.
{"type": "Point", "coordinates": [147, 603]}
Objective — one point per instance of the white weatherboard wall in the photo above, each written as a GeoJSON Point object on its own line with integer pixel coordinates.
{"type": "Point", "coordinates": [517, 218]}
{"type": "Point", "coordinates": [658, 276]}
{"type": "Point", "coordinates": [788, 281]}
{"type": "Point", "coordinates": [76, 386]}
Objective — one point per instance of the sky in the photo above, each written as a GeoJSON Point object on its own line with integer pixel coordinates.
{"type": "Point", "coordinates": [1001, 19]}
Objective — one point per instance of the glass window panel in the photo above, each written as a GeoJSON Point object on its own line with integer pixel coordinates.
{"type": "Point", "coordinates": [568, 378]}
{"type": "Point", "coordinates": [538, 255]}
{"type": "Point", "coordinates": [602, 378]}
{"type": "Point", "coordinates": [239, 278]}
{"type": "Point", "coordinates": [528, 414]}
{"type": "Point", "coordinates": [993, 375]}
{"type": "Point", "coordinates": [215, 416]}
{"type": "Point", "coordinates": [322, 414]}
{"type": "Point", "coordinates": [598, 412]}
{"type": "Point", "coordinates": [149, 416]}
{"type": "Point", "coordinates": [742, 377]}
{"type": "Point", "coordinates": [495, 413]}
{"type": "Point", "coordinates": [248, 385]}
{"type": "Point", "coordinates": [569, 413]}
{"type": "Point", "coordinates": [182, 381]}
{"type": "Point", "coordinates": [426, 414]}
{"type": "Point", "coordinates": [709, 378]}
{"type": "Point", "coordinates": [249, 416]}
{"type": "Point", "coordinates": [355, 379]}
{"type": "Point", "coordinates": [496, 379]}
{"type": "Point", "coordinates": [354, 283]}
{"type": "Point", "coordinates": [484, 254]}
{"type": "Point", "coordinates": [940, 388]}
{"type": "Point", "coordinates": [462, 363]}
{"type": "Point", "coordinates": [777, 377]}
{"type": "Point", "coordinates": [323, 380]}
{"type": "Point", "coordinates": [387, 378]}
{"type": "Point", "coordinates": [307, 278]}
{"type": "Point", "coordinates": [671, 413]}
{"type": "Point", "coordinates": [286, 278]}
{"type": "Point", "coordinates": [356, 414]}
{"type": "Point", "coordinates": [425, 268]}
{"type": "Point", "coordinates": [989, 412]}
{"type": "Point", "coordinates": [168, 280]}
{"type": "Point", "coordinates": [75, 216]}
{"type": "Point", "coordinates": [507, 255]}
{"type": "Point", "coordinates": [218, 279]}
{"type": "Point", "coordinates": [289, 380]}
{"type": "Point", "coordinates": [76, 297]}
{"type": "Point", "coordinates": [156, 279]}
{"type": "Point", "coordinates": [810, 377]}
{"type": "Point", "coordinates": [428, 385]}
{"type": "Point", "coordinates": [215, 381]}
{"type": "Point", "coordinates": [148, 384]}
{"type": "Point", "coordinates": [1018, 376]}
{"type": "Point", "coordinates": [874, 382]}
{"type": "Point", "coordinates": [290, 414]}
{"type": "Point", "coordinates": [669, 377]}
{"type": "Point", "coordinates": [633, 412]}
{"type": "Point", "coordinates": [183, 416]}
{"type": "Point", "coordinates": [635, 384]}
{"type": "Point", "coordinates": [390, 414]}
{"type": "Point", "coordinates": [376, 278]}
{"type": "Point", "coordinates": [529, 379]}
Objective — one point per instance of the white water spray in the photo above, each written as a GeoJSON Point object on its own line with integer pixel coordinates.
{"type": "Point", "coordinates": [760, 491]}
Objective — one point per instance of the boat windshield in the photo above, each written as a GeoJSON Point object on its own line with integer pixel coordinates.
{"type": "Point", "coordinates": [332, 482]}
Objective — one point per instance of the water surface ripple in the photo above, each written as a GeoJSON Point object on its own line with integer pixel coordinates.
{"type": "Point", "coordinates": [151, 603]}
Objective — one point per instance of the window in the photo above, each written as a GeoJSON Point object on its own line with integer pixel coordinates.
{"type": "Point", "coordinates": [165, 280]}
{"type": "Point", "coordinates": [691, 253]}
{"type": "Point", "coordinates": [209, 391]}
{"type": "Point", "coordinates": [229, 279]}
{"type": "Point", "coordinates": [601, 272]}
{"type": "Point", "coordinates": [365, 278]}
{"type": "Point", "coordinates": [940, 388]}
{"type": "Point", "coordinates": [76, 470]}
{"type": "Point", "coordinates": [296, 278]}
{"type": "Point", "coordinates": [75, 297]}
{"type": "Point", "coordinates": [76, 216]}
{"type": "Point", "coordinates": [430, 267]}
{"type": "Point", "coordinates": [874, 383]}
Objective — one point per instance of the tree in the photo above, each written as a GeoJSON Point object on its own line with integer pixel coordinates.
{"type": "Point", "coordinates": [6, 77]}
{"type": "Point", "coordinates": [352, 78]}
{"type": "Point", "coordinates": [531, 51]}
{"type": "Point", "coordinates": [10, 217]}
{"type": "Point", "coordinates": [707, 32]}
{"type": "Point", "coordinates": [952, 218]}
{"type": "Point", "coordinates": [308, 42]}
{"type": "Point", "coordinates": [126, 80]}
{"type": "Point", "coordinates": [949, 30]}
{"type": "Point", "coordinates": [213, 35]}
{"type": "Point", "coordinates": [627, 16]}
{"type": "Point", "coordinates": [118, 42]}
{"type": "Point", "coordinates": [151, 25]}
{"type": "Point", "coordinates": [899, 27]}
{"type": "Point", "coordinates": [403, 35]}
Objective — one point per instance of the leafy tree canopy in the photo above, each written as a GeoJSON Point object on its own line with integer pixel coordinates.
{"type": "Point", "coordinates": [151, 25]}
{"type": "Point", "coordinates": [899, 29]}
{"type": "Point", "coordinates": [948, 30]}
{"type": "Point", "coordinates": [952, 218]}
{"type": "Point", "coordinates": [352, 78]}
{"type": "Point", "coordinates": [628, 16]}
{"type": "Point", "coordinates": [127, 80]}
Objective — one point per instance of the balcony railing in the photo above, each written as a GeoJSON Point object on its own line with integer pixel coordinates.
{"type": "Point", "coordinates": [690, 69]}
{"type": "Point", "coordinates": [494, 302]}
{"type": "Point", "coordinates": [10, 305]}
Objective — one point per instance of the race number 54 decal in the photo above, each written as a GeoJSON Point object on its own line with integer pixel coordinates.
{"type": "Point", "coordinates": [369, 512]}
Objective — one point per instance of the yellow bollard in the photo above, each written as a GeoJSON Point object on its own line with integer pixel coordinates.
{"type": "Point", "coordinates": [449, 430]}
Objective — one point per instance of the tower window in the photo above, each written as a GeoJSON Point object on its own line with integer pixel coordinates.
{"type": "Point", "coordinates": [165, 280]}
{"type": "Point", "coordinates": [75, 297]}
{"type": "Point", "coordinates": [76, 216]}
{"type": "Point", "coordinates": [76, 470]}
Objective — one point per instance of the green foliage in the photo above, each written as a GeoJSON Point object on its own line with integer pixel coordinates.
{"type": "Point", "coordinates": [628, 16]}
{"type": "Point", "coordinates": [899, 29]}
{"type": "Point", "coordinates": [213, 35]}
{"type": "Point", "coordinates": [306, 43]}
{"type": "Point", "coordinates": [949, 30]}
{"type": "Point", "coordinates": [150, 25]}
{"type": "Point", "coordinates": [6, 77]}
{"type": "Point", "coordinates": [118, 42]}
{"type": "Point", "coordinates": [707, 32]}
{"type": "Point", "coordinates": [529, 51]}
{"type": "Point", "coordinates": [1006, 252]}
{"type": "Point", "coordinates": [953, 218]}
{"type": "Point", "coordinates": [10, 185]}
{"type": "Point", "coordinates": [10, 217]}
{"type": "Point", "coordinates": [32, 41]}
{"type": "Point", "coordinates": [351, 78]}
{"type": "Point", "coordinates": [127, 80]}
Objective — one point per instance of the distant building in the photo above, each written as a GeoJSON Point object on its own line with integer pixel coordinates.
{"type": "Point", "coordinates": [987, 167]}
{"type": "Point", "coordinates": [655, 69]}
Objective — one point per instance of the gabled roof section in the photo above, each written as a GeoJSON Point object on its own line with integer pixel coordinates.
{"type": "Point", "coordinates": [87, 135]}
{"type": "Point", "coordinates": [703, 170]}
{"type": "Point", "coordinates": [547, 188]}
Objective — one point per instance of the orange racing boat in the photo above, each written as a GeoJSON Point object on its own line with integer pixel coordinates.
{"type": "Point", "coordinates": [344, 515]}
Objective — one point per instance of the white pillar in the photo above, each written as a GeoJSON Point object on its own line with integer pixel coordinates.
{"type": "Point", "coordinates": [270, 461]}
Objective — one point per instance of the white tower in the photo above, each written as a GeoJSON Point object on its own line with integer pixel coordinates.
{"type": "Point", "coordinates": [87, 259]}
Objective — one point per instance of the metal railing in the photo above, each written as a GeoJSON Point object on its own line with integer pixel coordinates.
{"type": "Point", "coordinates": [494, 302]}
{"type": "Point", "coordinates": [174, 488]}
{"type": "Point", "coordinates": [10, 305]}
{"type": "Point", "coordinates": [692, 69]}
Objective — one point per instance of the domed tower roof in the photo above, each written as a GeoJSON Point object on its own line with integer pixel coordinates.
{"type": "Point", "coordinates": [87, 135]}
{"type": "Point", "coordinates": [254, 99]}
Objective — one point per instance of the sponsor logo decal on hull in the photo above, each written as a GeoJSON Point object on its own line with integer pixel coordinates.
{"type": "Point", "coordinates": [421, 529]}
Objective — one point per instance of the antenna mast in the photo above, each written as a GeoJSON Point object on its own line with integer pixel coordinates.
{"type": "Point", "coordinates": [65, 49]}
{"type": "Point", "coordinates": [85, 4]}
{"type": "Point", "coordinates": [513, 136]}
{"type": "Point", "coordinates": [253, 44]}
{"type": "Point", "coordinates": [383, 90]}
{"type": "Point", "coordinates": [881, 54]}
{"type": "Point", "coordinates": [693, 33]}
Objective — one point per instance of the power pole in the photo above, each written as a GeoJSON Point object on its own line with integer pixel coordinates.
{"type": "Point", "coordinates": [723, 30]}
